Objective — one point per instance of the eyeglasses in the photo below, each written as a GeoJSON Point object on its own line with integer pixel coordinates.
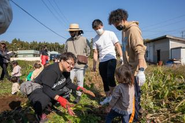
{"type": "Point", "coordinates": [71, 64]}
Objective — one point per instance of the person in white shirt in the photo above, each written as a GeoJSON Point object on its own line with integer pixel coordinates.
{"type": "Point", "coordinates": [16, 73]}
{"type": "Point", "coordinates": [104, 44]}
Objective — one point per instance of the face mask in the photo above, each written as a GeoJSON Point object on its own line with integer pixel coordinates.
{"type": "Point", "coordinates": [120, 27]}
{"type": "Point", "coordinates": [99, 31]}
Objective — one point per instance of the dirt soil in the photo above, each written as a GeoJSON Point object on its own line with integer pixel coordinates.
{"type": "Point", "coordinates": [12, 109]}
{"type": "Point", "coordinates": [11, 102]}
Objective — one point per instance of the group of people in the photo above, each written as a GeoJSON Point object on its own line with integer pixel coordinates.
{"type": "Point", "coordinates": [123, 99]}
{"type": "Point", "coordinates": [57, 79]}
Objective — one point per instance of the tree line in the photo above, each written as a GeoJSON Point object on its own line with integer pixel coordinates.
{"type": "Point", "coordinates": [17, 44]}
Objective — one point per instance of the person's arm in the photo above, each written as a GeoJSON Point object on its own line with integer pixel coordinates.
{"type": "Point", "coordinates": [6, 15]}
{"type": "Point", "coordinates": [88, 49]}
{"type": "Point", "coordinates": [95, 59]}
{"type": "Point", "coordinates": [119, 50]}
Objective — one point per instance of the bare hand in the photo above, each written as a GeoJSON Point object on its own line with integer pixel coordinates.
{"type": "Point", "coordinates": [88, 92]}
{"type": "Point", "coordinates": [70, 111]}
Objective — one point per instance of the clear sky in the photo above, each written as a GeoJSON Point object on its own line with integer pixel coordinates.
{"type": "Point", "coordinates": [156, 18]}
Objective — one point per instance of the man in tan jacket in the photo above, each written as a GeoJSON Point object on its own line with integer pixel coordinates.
{"type": "Point", "coordinates": [133, 50]}
{"type": "Point", "coordinates": [78, 45]}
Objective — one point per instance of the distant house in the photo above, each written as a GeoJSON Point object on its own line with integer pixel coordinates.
{"type": "Point", "coordinates": [27, 55]}
{"type": "Point", "coordinates": [165, 48]}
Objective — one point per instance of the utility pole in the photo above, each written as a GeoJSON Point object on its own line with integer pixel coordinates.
{"type": "Point", "coordinates": [183, 34]}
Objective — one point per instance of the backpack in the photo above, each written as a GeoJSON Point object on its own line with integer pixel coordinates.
{"type": "Point", "coordinates": [27, 87]}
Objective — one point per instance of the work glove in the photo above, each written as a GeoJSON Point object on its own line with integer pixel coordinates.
{"type": "Point", "coordinates": [121, 61]}
{"type": "Point", "coordinates": [85, 91]}
{"type": "Point", "coordinates": [64, 103]}
{"type": "Point", "coordinates": [140, 77]}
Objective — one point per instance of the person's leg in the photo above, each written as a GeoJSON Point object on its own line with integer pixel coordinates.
{"type": "Point", "coordinates": [111, 67]}
{"type": "Point", "coordinates": [72, 74]}
{"type": "Point", "coordinates": [103, 74]}
{"type": "Point", "coordinates": [137, 100]}
{"type": "Point", "coordinates": [80, 79]}
{"type": "Point", "coordinates": [4, 71]}
{"type": "Point", "coordinates": [125, 118]}
{"type": "Point", "coordinates": [111, 115]}
{"type": "Point", "coordinates": [39, 101]}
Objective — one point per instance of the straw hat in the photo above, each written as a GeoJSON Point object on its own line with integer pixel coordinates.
{"type": "Point", "coordinates": [2, 42]}
{"type": "Point", "coordinates": [74, 27]}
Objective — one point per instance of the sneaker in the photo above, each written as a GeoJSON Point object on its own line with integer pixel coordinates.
{"type": "Point", "coordinates": [77, 100]}
{"type": "Point", "coordinates": [43, 118]}
{"type": "Point", "coordinates": [106, 100]}
{"type": "Point", "coordinates": [14, 93]}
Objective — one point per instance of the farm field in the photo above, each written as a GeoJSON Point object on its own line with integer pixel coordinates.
{"type": "Point", "coordinates": [163, 99]}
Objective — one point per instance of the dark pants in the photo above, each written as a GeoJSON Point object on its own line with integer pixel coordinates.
{"type": "Point", "coordinates": [40, 100]}
{"type": "Point", "coordinates": [112, 114]}
{"type": "Point", "coordinates": [4, 70]}
{"type": "Point", "coordinates": [137, 100]}
{"type": "Point", "coordinates": [107, 70]}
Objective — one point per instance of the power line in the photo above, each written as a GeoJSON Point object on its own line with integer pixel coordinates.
{"type": "Point", "coordinates": [37, 20]}
{"type": "Point", "coordinates": [61, 12]}
{"type": "Point", "coordinates": [52, 12]}
{"type": "Point", "coordinates": [164, 21]}
{"type": "Point", "coordinates": [165, 25]}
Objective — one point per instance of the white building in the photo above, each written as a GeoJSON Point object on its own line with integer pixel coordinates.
{"type": "Point", "coordinates": [165, 48]}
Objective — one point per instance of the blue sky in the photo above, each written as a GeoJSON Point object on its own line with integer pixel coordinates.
{"type": "Point", "coordinates": [156, 18]}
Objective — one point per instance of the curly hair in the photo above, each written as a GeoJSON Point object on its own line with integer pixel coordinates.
{"type": "Point", "coordinates": [116, 16]}
{"type": "Point", "coordinates": [124, 75]}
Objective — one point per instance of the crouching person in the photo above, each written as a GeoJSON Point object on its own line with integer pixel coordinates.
{"type": "Point", "coordinates": [56, 82]}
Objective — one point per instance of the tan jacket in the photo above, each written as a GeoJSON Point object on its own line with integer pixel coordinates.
{"type": "Point", "coordinates": [133, 46]}
{"type": "Point", "coordinates": [82, 47]}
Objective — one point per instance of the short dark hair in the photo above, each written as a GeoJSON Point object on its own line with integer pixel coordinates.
{"type": "Point", "coordinates": [15, 62]}
{"type": "Point", "coordinates": [68, 55]}
{"type": "Point", "coordinates": [117, 16]}
{"type": "Point", "coordinates": [96, 23]}
{"type": "Point", "coordinates": [14, 79]}
{"type": "Point", "coordinates": [124, 73]}
{"type": "Point", "coordinates": [37, 65]}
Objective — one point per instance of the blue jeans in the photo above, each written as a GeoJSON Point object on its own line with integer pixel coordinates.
{"type": "Point", "coordinates": [112, 114]}
{"type": "Point", "coordinates": [137, 100]}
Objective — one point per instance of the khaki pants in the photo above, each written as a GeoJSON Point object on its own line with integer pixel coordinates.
{"type": "Point", "coordinates": [15, 87]}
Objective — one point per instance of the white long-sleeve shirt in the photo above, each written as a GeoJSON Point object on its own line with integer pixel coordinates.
{"type": "Point", "coordinates": [16, 71]}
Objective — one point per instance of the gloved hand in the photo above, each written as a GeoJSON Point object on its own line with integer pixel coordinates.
{"type": "Point", "coordinates": [121, 61]}
{"type": "Point", "coordinates": [64, 103]}
{"type": "Point", "coordinates": [85, 91]}
{"type": "Point", "coordinates": [140, 77]}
